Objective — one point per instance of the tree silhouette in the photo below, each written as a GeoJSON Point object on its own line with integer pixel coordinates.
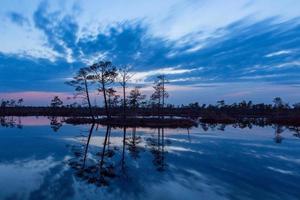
{"type": "Point", "coordinates": [160, 93]}
{"type": "Point", "coordinates": [124, 77]}
{"type": "Point", "coordinates": [296, 105]}
{"type": "Point", "coordinates": [12, 103]}
{"type": "Point", "coordinates": [135, 98]}
{"type": "Point", "coordinates": [221, 103]}
{"type": "Point", "coordinates": [80, 82]}
{"type": "Point", "coordinates": [56, 102]}
{"type": "Point", "coordinates": [20, 101]}
{"type": "Point", "coordinates": [4, 103]}
{"type": "Point", "coordinates": [278, 103]}
{"type": "Point", "coordinates": [105, 73]}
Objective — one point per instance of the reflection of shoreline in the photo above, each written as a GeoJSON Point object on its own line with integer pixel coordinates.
{"type": "Point", "coordinates": [11, 122]}
{"type": "Point", "coordinates": [19, 122]}
{"type": "Point", "coordinates": [31, 120]}
{"type": "Point", "coordinates": [152, 122]}
{"type": "Point", "coordinates": [57, 122]}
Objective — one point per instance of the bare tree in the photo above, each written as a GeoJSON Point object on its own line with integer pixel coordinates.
{"type": "Point", "coordinates": [160, 93]}
{"type": "Point", "coordinates": [124, 77]}
{"type": "Point", "coordinates": [162, 81]}
{"type": "Point", "coordinates": [81, 82]}
{"type": "Point", "coordinates": [105, 73]}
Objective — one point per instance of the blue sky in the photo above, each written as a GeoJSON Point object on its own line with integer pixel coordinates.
{"type": "Point", "coordinates": [209, 49]}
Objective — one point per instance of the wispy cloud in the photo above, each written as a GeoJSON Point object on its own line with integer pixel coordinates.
{"type": "Point", "coordinates": [289, 64]}
{"type": "Point", "coordinates": [279, 53]}
{"type": "Point", "coordinates": [255, 77]}
{"type": "Point", "coordinates": [141, 77]}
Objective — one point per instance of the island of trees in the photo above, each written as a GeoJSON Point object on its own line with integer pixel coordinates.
{"type": "Point", "coordinates": [132, 108]}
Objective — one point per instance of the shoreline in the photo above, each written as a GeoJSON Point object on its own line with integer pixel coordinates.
{"type": "Point", "coordinates": [136, 122]}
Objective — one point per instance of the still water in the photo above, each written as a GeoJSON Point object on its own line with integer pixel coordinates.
{"type": "Point", "coordinates": [42, 158]}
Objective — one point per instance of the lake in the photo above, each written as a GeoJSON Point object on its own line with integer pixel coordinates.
{"type": "Point", "coordinates": [42, 158]}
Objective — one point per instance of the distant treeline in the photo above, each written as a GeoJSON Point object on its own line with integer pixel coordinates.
{"type": "Point", "coordinates": [278, 110]}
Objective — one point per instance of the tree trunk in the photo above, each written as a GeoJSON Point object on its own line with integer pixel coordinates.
{"type": "Point", "coordinates": [124, 102]}
{"type": "Point", "coordinates": [163, 97]}
{"type": "Point", "coordinates": [88, 99]}
{"type": "Point", "coordinates": [158, 108]}
{"type": "Point", "coordinates": [105, 100]}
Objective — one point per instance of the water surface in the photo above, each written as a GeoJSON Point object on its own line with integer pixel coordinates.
{"type": "Point", "coordinates": [42, 158]}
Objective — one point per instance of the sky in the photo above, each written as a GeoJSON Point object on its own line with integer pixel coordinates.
{"type": "Point", "coordinates": [209, 49]}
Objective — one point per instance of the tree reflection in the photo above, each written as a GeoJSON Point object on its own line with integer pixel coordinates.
{"type": "Point", "coordinates": [11, 122]}
{"type": "Point", "coordinates": [158, 149]}
{"type": "Point", "coordinates": [295, 130]}
{"type": "Point", "coordinates": [188, 132]}
{"type": "Point", "coordinates": [278, 130]}
{"type": "Point", "coordinates": [87, 144]}
{"type": "Point", "coordinates": [55, 123]}
{"type": "Point", "coordinates": [106, 167]}
{"type": "Point", "coordinates": [123, 149]}
{"type": "Point", "coordinates": [100, 167]}
{"type": "Point", "coordinates": [132, 143]}
{"type": "Point", "coordinates": [91, 169]}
